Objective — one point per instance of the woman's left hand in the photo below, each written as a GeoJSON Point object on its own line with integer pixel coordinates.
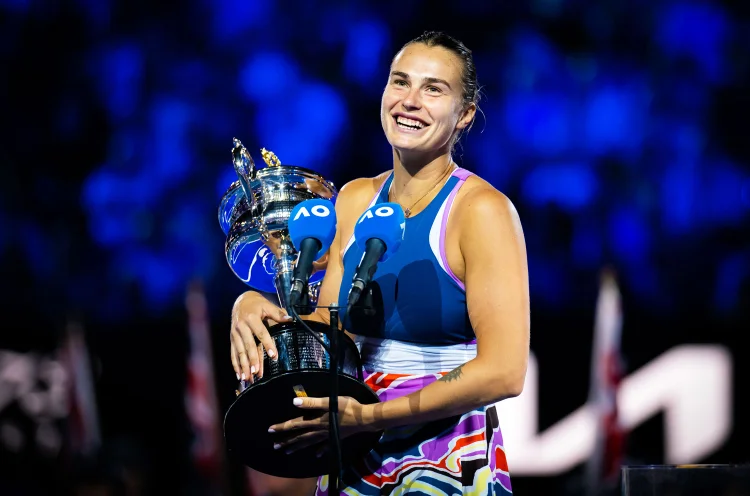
{"type": "Point", "coordinates": [312, 428]}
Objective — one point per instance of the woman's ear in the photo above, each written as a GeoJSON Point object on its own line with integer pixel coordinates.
{"type": "Point", "coordinates": [467, 116]}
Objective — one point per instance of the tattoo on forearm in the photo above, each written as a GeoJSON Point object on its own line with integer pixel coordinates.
{"type": "Point", "coordinates": [453, 375]}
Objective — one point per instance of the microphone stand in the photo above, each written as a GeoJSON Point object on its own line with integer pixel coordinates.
{"type": "Point", "coordinates": [333, 405]}
{"type": "Point", "coordinates": [334, 440]}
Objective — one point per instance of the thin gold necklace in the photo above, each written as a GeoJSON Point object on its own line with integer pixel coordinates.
{"type": "Point", "coordinates": [407, 211]}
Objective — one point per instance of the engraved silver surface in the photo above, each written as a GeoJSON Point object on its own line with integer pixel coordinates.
{"type": "Point", "coordinates": [299, 351]}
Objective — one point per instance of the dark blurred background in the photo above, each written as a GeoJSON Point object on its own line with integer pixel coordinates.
{"type": "Point", "coordinates": [618, 129]}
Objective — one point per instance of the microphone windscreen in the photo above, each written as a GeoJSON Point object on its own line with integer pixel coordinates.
{"type": "Point", "coordinates": [313, 219]}
{"type": "Point", "coordinates": [383, 221]}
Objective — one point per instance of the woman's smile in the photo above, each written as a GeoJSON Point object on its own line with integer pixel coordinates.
{"type": "Point", "coordinates": [408, 124]}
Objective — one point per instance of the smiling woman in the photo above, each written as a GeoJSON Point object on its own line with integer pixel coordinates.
{"type": "Point", "coordinates": [449, 334]}
{"type": "Point", "coordinates": [419, 94]}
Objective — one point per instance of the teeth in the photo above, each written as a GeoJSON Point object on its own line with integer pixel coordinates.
{"type": "Point", "coordinates": [410, 123]}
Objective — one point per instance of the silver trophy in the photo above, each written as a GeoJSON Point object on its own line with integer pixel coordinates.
{"type": "Point", "coordinates": [254, 214]}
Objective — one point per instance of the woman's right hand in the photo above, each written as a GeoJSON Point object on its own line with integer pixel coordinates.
{"type": "Point", "coordinates": [250, 336]}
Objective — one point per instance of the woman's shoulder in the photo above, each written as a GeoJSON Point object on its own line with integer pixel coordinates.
{"type": "Point", "coordinates": [477, 197]}
{"type": "Point", "coordinates": [361, 188]}
{"type": "Point", "coordinates": [355, 195]}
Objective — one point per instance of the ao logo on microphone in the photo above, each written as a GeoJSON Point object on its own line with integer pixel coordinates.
{"type": "Point", "coordinates": [380, 212]}
{"type": "Point", "coordinates": [317, 211]}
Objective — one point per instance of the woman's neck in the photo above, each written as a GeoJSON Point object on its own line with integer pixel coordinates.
{"type": "Point", "coordinates": [412, 177]}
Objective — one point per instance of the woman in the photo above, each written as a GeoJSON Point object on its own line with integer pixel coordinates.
{"type": "Point", "coordinates": [451, 333]}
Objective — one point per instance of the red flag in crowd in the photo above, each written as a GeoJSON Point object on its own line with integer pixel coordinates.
{"type": "Point", "coordinates": [83, 417]}
{"type": "Point", "coordinates": [606, 375]}
{"type": "Point", "coordinates": [200, 397]}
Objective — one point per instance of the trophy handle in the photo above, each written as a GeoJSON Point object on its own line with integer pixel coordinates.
{"type": "Point", "coordinates": [244, 167]}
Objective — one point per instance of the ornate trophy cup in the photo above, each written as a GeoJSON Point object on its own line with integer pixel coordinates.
{"type": "Point", "coordinates": [254, 214]}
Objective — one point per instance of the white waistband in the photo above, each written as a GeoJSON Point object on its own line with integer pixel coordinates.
{"type": "Point", "coordinates": [399, 357]}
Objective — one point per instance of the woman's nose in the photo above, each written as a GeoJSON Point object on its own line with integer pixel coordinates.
{"type": "Point", "coordinates": [412, 99]}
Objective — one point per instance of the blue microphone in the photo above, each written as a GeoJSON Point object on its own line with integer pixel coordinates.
{"type": "Point", "coordinates": [312, 226]}
{"type": "Point", "coordinates": [379, 233]}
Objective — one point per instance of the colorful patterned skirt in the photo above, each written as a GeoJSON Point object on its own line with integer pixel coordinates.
{"type": "Point", "coordinates": [458, 455]}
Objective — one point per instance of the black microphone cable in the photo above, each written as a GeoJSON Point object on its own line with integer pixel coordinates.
{"type": "Point", "coordinates": [307, 328]}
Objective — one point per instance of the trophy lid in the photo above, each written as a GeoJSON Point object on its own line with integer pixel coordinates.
{"type": "Point", "coordinates": [270, 158]}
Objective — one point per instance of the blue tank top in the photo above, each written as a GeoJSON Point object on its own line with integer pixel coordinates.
{"type": "Point", "coordinates": [414, 296]}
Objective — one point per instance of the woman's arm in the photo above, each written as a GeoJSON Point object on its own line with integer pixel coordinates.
{"type": "Point", "coordinates": [497, 296]}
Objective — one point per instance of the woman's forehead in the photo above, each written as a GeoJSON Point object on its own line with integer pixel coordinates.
{"type": "Point", "coordinates": [420, 61]}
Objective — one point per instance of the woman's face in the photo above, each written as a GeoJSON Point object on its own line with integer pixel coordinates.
{"type": "Point", "coordinates": [422, 104]}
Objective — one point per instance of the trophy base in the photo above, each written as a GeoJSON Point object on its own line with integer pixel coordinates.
{"type": "Point", "coordinates": [270, 402]}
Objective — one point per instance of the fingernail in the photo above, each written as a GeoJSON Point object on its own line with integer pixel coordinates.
{"type": "Point", "coordinates": [297, 401]}
{"type": "Point", "coordinates": [238, 376]}
{"type": "Point", "coordinates": [276, 446]}
{"type": "Point", "coordinates": [252, 369]}
{"type": "Point", "coordinates": [318, 454]}
{"type": "Point", "coordinates": [271, 353]}
{"type": "Point", "coordinates": [271, 430]}
{"type": "Point", "coordinates": [288, 317]}
{"type": "Point", "coordinates": [289, 452]}
{"type": "Point", "coordinates": [243, 376]}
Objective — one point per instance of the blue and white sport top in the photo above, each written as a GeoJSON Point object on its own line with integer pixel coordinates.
{"type": "Point", "coordinates": [415, 296]}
